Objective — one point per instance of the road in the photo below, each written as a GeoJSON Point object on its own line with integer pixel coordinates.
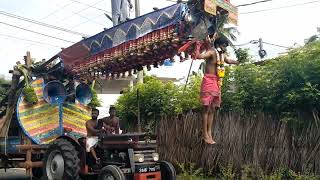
{"type": "Point", "coordinates": [13, 174]}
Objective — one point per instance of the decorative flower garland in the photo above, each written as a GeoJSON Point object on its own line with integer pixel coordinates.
{"type": "Point", "coordinates": [220, 68]}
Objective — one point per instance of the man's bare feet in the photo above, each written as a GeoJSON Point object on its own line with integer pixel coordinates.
{"type": "Point", "coordinates": [213, 142]}
{"type": "Point", "coordinates": [211, 139]}
{"type": "Point", "coordinates": [207, 140]}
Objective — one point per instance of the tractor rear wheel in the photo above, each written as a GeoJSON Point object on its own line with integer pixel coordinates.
{"type": "Point", "coordinates": [61, 161]}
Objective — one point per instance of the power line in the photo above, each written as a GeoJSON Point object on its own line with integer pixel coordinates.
{"type": "Point", "coordinates": [36, 32]}
{"type": "Point", "coordinates": [276, 45]}
{"type": "Point", "coordinates": [282, 7]}
{"type": "Point", "coordinates": [77, 13]}
{"type": "Point", "coordinates": [57, 10]}
{"type": "Point", "coordinates": [41, 23]}
{"type": "Point", "coordinates": [256, 41]}
{"type": "Point", "coordinates": [91, 6]}
{"type": "Point", "coordinates": [22, 39]}
{"type": "Point", "coordinates": [253, 3]}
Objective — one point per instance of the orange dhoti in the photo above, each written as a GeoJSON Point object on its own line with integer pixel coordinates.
{"type": "Point", "coordinates": [210, 94]}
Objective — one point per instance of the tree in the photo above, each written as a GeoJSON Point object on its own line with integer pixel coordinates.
{"type": "Point", "coordinates": [312, 39]}
{"type": "Point", "coordinates": [243, 55]}
{"type": "Point", "coordinates": [4, 87]}
{"type": "Point", "coordinates": [228, 33]}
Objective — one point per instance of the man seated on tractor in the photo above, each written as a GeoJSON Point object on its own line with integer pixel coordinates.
{"type": "Point", "coordinates": [93, 130]}
{"type": "Point", "coordinates": [111, 123]}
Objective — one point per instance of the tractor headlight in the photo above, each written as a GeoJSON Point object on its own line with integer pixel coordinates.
{"type": "Point", "coordinates": [139, 158]}
{"type": "Point", "coordinates": [155, 156]}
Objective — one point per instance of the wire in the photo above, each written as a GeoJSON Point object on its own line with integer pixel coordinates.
{"type": "Point", "coordinates": [80, 11]}
{"type": "Point", "coordinates": [249, 4]}
{"type": "Point", "coordinates": [35, 32]}
{"type": "Point", "coordinates": [86, 21]}
{"type": "Point", "coordinates": [55, 11]}
{"type": "Point", "coordinates": [91, 6]}
{"type": "Point", "coordinates": [22, 39]}
{"type": "Point", "coordinates": [244, 44]}
{"type": "Point", "coordinates": [282, 7]}
{"type": "Point", "coordinates": [276, 45]}
{"type": "Point", "coordinates": [256, 41]}
{"type": "Point", "coordinates": [91, 19]}
{"type": "Point", "coordinates": [41, 23]}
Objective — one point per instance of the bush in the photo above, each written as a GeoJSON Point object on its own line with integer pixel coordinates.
{"type": "Point", "coordinates": [157, 98]}
{"type": "Point", "coordinates": [285, 84]}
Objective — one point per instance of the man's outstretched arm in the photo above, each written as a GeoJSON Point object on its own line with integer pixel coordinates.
{"type": "Point", "coordinates": [229, 61]}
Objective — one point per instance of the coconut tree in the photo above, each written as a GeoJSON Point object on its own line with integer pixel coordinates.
{"type": "Point", "coordinates": [229, 33]}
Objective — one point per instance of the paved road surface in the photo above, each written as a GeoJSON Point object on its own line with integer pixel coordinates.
{"type": "Point", "coordinates": [13, 174]}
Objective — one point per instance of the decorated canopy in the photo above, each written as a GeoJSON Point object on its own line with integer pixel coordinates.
{"type": "Point", "coordinates": [141, 41]}
{"type": "Point", "coordinates": [144, 41]}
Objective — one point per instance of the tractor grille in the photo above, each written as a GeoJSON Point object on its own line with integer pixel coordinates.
{"type": "Point", "coordinates": [147, 155]}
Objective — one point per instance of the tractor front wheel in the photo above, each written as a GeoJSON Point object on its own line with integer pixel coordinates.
{"type": "Point", "coordinates": [111, 172]}
{"type": "Point", "coordinates": [61, 161]}
{"type": "Point", "coordinates": [168, 172]}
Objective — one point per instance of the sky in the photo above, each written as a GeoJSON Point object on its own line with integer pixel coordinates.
{"type": "Point", "coordinates": [282, 26]}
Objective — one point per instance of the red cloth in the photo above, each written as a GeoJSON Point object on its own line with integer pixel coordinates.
{"type": "Point", "coordinates": [198, 46]}
{"type": "Point", "coordinates": [210, 94]}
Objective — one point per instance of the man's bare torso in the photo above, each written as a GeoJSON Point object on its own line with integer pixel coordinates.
{"type": "Point", "coordinates": [91, 123]}
{"type": "Point", "coordinates": [211, 63]}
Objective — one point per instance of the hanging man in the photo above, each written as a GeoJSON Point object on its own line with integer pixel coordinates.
{"type": "Point", "coordinates": [212, 81]}
{"type": "Point", "coordinates": [120, 12]}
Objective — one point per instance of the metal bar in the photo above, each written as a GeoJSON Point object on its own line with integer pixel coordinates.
{"type": "Point", "coordinates": [33, 147]}
{"type": "Point", "coordinates": [29, 165]}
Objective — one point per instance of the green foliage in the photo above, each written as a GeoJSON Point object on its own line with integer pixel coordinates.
{"type": "Point", "coordinates": [95, 101]}
{"type": "Point", "coordinates": [30, 95]}
{"type": "Point", "coordinates": [190, 172]}
{"type": "Point", "coordinates": [4, 87]}
{"type": "Point", "coordinates": [312, 39]}
{"type": "Point", "coordinates": [248, 172]}
{"type": "Point", "coordinates": [189, 96]}
{"type": "Point", "coordinates": [157, 98]}
{"type": "Point", "coordinates": [228, 173]}
{"type": "Point", "coordinates": [285, 84]}
{"type": "Point", "coordinates": [243, 55]}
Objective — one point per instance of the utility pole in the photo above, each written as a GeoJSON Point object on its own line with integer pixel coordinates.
{"type": "Point", "coordinates": [140, 73]}
{"type": "Point", "coordinates": [262, 52]}
{"type": "Point", "coordinates": [137, 7]}
{"type": "Point", "coordinates": [137, 13]}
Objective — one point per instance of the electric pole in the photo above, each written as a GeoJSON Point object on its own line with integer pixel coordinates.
{"type": "Point", "coordinates": [137, 7]}
{"type": "Point", "coordinates": [140, 73]}
{"type": "Point", "coordinates": [262, 52]}
{"type": "Point", "coordinates": [137, 13]}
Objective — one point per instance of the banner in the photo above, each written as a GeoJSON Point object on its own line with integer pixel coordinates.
{"type": "Point", "coordinates": [210, 7]}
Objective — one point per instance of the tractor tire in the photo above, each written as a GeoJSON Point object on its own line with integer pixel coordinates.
{"type": "Point", "coordinates": [168, 172]}
{"type": "Point", "coordinates": [111, 172]}
{"type": "Point", "coordinates": [61, 161]}
{"type": "Point", "coordinates": [37, 173]}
